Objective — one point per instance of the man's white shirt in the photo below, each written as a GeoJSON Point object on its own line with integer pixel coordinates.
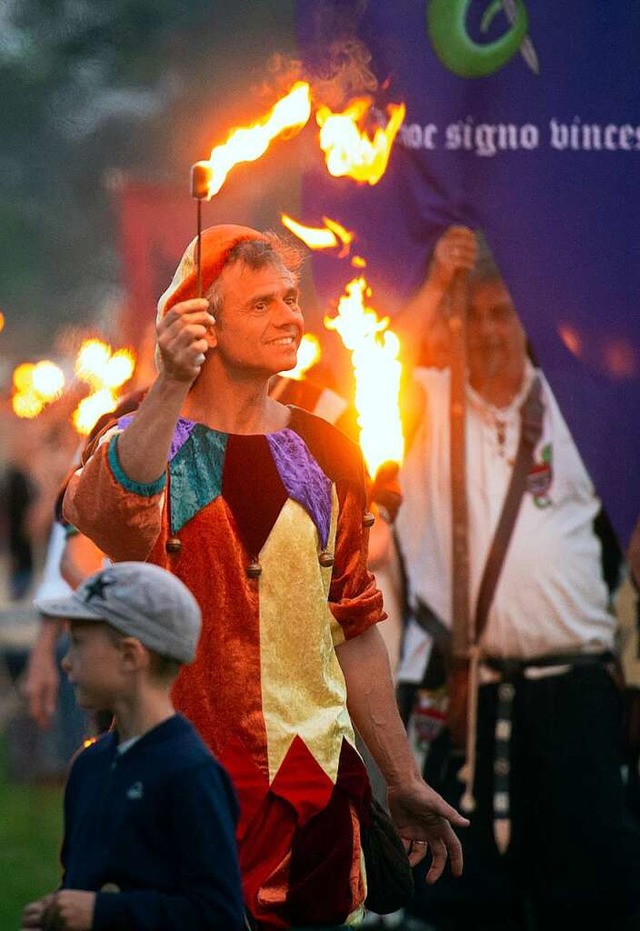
{"type": "Point", "coordinates": [551, 596]}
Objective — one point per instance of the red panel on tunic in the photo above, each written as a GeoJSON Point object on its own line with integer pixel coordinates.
{"type": "Point", "coordinates": [250, 782]}
{"type": "Point", "coordinates": [321, 851]}
{"type": "Point", "coordinates": [264, 861]}
{"type": "Point", "coordinates": [302, 781]}
{"type": "Point", "coordinates": [353, 779]}
{"type": "Point", "coordinates": [321, 858]}
{"type": "Point", "coordinates": [221, 692]}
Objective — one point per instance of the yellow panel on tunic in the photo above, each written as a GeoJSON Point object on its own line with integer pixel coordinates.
{"type": "Point", "coordinates": [297, 633]}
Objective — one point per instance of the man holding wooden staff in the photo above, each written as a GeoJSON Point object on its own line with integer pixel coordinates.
{"type": "Point", "coordinates": [510, 619]}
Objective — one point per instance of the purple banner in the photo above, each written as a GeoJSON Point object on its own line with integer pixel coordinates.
{"type": "Point", "coordinates": [523, 120]}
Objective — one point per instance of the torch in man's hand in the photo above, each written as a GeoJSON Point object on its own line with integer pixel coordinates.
{"type": "Point", "coordinates": [201, 174]}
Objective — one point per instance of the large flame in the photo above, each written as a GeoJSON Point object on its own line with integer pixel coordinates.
{"type": "Point", "coordinates": [35, 386]}
{"type": "Point", "coordinates": [329, 236]}
{"type": "Point", "coordinates": [348, 149]}
{"type": "Point", "coordinates": [105, 372]}
{"type": "Point", "coordinates": [91, 408]}
{"type": "Point", "coordinates": [377, 372]}
{"type": "Point", "coordinates": [308, 354]}
{"type": "Point", "coordinates": [246, 144]}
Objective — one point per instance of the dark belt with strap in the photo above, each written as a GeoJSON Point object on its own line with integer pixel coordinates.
{"type": "Point", "coordinates": [510, 670]}
{"type": "Point", "coordinates": [514, 668]}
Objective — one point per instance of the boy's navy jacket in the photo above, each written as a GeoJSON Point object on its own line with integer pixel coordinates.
{"type": "Point", "coordinates": [158, 822]}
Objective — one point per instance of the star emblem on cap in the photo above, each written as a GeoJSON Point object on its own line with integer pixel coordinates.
{"type": "Point", "coordinates": [96, 588]}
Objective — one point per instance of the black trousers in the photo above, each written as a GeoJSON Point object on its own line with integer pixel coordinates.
{"type": "Point", "coordinates": [574, 855]}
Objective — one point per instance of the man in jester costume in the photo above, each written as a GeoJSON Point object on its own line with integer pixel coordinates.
{"type": "Point", "coordinates": [261, 509]}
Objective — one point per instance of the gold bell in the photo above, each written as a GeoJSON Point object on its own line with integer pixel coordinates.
{"type": "Point", "coordinates": [254, 570]}
{"type": "Point", "coordinates": [325, 559]}
{"type": "Point", "coordinates": [173, 545]}
{"type": "Point", "coordinates": [369, 519]}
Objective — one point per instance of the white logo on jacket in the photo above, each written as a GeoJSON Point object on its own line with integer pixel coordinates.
{"type": "Point", "coordinates": [136, 791]}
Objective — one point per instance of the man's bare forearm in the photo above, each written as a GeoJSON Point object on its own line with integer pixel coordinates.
{"type": "Point", "coordinates": [372, 706]}
{"type": "Point", "coordinates": [455, 251]}
{"type": "Point", "coordinates": [144, 445]}
{"type": "Point", "coordinates": [417, 318]}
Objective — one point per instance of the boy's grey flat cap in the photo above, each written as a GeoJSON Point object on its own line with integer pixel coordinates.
{"type": "Point", "coordinates": [140, 600]}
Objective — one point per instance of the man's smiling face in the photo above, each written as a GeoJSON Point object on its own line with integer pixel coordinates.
{"type": "Point", "coordinates": [259, 325]}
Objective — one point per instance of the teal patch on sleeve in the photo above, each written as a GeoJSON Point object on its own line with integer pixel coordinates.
{"type": "Point", "coordinates": [144, 489]}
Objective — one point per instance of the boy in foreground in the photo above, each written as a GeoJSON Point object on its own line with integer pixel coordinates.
{"type": "Point", "coordinates": [149, 813]}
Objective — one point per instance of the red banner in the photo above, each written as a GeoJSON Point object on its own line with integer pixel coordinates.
{"type": "Point", "coordinates": [156, 224]}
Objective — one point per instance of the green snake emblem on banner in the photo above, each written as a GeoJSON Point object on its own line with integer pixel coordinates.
{"type": "Point", "coordinates": [459, 53]}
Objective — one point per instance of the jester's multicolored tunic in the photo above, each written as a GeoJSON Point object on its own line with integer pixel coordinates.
{"type": "Point", "coordinates": [268, 533]}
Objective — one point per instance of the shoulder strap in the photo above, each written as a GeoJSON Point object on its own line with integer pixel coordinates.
{"type": "Point", "coordinates": [531, 414]}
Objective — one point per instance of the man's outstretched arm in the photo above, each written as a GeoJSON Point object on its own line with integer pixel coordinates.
{"type": "Point", "coordinates": [419, 813]}
{"type": "Point", "coordinates": [456, 250]}
{"type": "Point", "coordinates": [143, 447]}
{"type": "Point", "coordinates": [116, 498]}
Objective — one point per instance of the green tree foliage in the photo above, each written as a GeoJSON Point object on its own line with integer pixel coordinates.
{"type": "Point", "coordinates": [88, 87]}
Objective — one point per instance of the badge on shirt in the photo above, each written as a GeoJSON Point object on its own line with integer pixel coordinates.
{"type": "Point", "coordinates": [540, 478]}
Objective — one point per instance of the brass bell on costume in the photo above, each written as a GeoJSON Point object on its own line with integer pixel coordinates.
{"type": "Point", "coordinates": [369, 519]}
{"type": "Point", "coordinates": [325, 559]}
{"type": "Point", "coordinates": [254, 570]}
{"type": "Point", "coordinates": [173, 545]}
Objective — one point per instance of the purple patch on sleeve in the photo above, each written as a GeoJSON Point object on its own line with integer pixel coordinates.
{"type": "Point", "coordinates": [303, 478]}
{"type": "Point", "coordinates": [181, 433]}
{"type": "Point", "coordinates": [123, 422]}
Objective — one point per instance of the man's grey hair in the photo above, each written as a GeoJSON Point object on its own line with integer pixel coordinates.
{"type": "Point", "coordinates": [256, 254]}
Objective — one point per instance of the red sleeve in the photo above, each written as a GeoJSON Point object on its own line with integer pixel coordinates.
{"type": "Point", "coordinates": [121, 517]}
{"type": "Point", "coordinates": [354, 599]}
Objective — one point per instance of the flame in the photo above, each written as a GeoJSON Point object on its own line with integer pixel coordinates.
{"type": "Point", "coordinates": [308, 354]}
{"type": "Point", "coordinates": [48, 380]}
{"type": "Point", "coordinates": [26, 406]}
{"type": "Point", "coordinates": [327, 237]}
{"type": "Point", "coordinates": [377, 371]}
{"type": "Point", "coordinates": [35, 386]}
{"type": "Point", "coordinates": [105, 372]}
{"type": "Point", "coordinates": [23, 377]}
{"type": "Point", "coordinates": [246, 144]}
{"type": "Point", "coordinates": [91, 408]}
{"type": "Point", "coordinates": [348, 149]}
{"type": "Point", "coordinates": [119, 369]}
{"type": "Point", "coordinates": [91, 361]}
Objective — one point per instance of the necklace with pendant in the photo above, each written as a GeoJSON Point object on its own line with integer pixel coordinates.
{"type": "Point", "coordinates": [501, 435]}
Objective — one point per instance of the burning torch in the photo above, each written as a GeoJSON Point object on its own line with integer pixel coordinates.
{"type": "Point", "coordinates": [245, 144]}
{"type": "Point", "coordinates": [377, 371]}
{"type": "Point", "coordinates": [201, 175]}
